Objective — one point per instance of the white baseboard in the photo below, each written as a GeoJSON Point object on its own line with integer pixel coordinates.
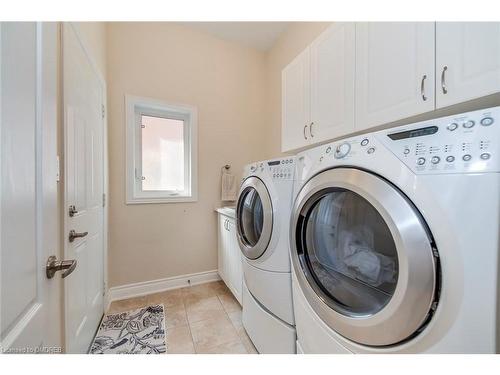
{"type": "Point", "coordinates": [154, 286]}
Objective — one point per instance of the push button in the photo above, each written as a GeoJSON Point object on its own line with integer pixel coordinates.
{"type": "Point", "coordinates": [487, 121]}
{"type": "Point", "coordinates": [435, 159]}
{"type": "Point", "coordinates": [469, 124]}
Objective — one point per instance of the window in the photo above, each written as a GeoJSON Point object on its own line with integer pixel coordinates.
{"type": "Point", "coordinates": [161, 151]}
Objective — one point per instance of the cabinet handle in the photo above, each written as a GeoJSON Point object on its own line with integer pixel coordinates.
{"type": "Point", "coordinates": [443, 80]}
{"type": "Point", "coordinates": [422, 88]}
{"type": "Point", "coordinates": [225, 224]}
{"type": "Point", "coordinates": [311, 129]}
{"type": "Point", "coordinates": [304, 131]}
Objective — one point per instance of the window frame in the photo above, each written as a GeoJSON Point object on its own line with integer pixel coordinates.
{"type": "Point", "coordinates": [135, 108]}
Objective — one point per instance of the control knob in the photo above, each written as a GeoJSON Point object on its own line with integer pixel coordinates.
{"type": "Point", "coordinates": [342, 150]}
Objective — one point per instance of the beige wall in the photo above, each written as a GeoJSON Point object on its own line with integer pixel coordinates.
{"type": "Point", "coordinates": [293, 41]}
{"type": "Point", "coordinates": [226, 82]}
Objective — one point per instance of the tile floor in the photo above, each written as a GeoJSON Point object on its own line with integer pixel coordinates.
{"type": "Point", "coordinates": [200, 319]}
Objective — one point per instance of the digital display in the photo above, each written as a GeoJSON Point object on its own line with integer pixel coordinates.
{"type": "Point", "coordinates": [413, 133]}
{"type": "Point", "coordinates": [274, 162]}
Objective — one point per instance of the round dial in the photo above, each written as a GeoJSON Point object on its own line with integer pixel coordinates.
{"type": "Point", "coordinates": [342, 150]}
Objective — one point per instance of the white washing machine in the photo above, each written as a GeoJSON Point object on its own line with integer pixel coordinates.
{"type": "Point", "coordinates": [395, 240]}
{"type": "Point", "coordinates": [262, 221]}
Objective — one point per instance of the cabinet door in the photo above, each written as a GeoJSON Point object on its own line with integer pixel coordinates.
{"type": "Point", "coordinates": [295, 91]}
{"type": "Point", "coordinates": [394, 71]}
{"type": "Point", "coordinates": [236, 267]}
{"type": "Point", "coordinates": [467, 61]}
{"type": "Point", "coordinates": [332, 82]}
{"type": "Point", "coordinates": [222, 248]}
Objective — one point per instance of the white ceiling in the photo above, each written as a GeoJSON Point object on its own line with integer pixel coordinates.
{"type": "Point", "coordinates": [259, 35]}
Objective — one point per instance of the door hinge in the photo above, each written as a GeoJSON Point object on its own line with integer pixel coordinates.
{"type": "Point", "coordinates": [103, 111]}
{"type": "Point", "coordinates": [104, 200]}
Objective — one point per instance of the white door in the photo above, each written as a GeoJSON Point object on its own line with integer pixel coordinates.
{"type": "Point", "coordinates": [394, 71]}
{"type": "Point", "coordinates": [222, 260]}
{"type": "Point", "coordinates": [332, 82]}
{"type": "Point", "coordinates": [220, 246]}
{"type": "Point", "coordinates": [296, 96]}
{"type": "Point", "coordinates": [84, 130]}
{"type": "Point", "coordinates": [30, 304]}
{"type": "Point", "coordinates": [235, 256]}
{"type": "Point", "coordinates": [467, 61]}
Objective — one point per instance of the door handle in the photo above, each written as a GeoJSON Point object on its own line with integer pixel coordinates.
{"type": "Point", "coordinates": [54, 265]}
{"type": "Point", "coordinates": [422, 88]}
{"type": "Point", "coordinates": [311, 130]}
{"type": "Point", "coordinates": [72, 211]}
{"type": "Point", "coordinates": [443, 80]}
{"type": "Point", "coordinates": [304, 131]}
{"type": "Point", "coordinates": [73, 234]}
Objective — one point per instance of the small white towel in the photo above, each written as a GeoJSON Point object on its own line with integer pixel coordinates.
{"type": "Point", "coordinates": [228, 186]}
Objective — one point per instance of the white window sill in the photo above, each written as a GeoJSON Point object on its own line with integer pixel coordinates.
{"type": "Point", "coordinates": [162, 200]}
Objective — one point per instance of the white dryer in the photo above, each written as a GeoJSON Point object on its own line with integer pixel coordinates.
{"type": "Point", "coordinates": [395, 239]}
{"type": "Point", "coordinates": [262, 222]}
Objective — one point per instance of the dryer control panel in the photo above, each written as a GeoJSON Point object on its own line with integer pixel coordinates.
{"type": "Point", "coordinates": [462, 143]}
{"type": "Point", "coordinates": [277, 169]}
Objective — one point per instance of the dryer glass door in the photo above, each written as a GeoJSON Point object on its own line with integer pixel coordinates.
{"type": "Point", "coordinates": [350, 253]}
{"type": "Point", "coordinates": [363, 256]}
{"type": "Point", "coordinates": [254, 218]}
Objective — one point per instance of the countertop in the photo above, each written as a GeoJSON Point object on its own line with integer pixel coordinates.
{"type": "Point", "coordinates": [227, 210]}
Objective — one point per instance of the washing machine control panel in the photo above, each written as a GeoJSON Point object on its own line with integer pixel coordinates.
{"type": "Point", "coordinates": [455, 144]}
{"type": "Point", "coordinates": [281, 169]}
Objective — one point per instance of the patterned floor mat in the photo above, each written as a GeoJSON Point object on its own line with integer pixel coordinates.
{"type": "Point", "coordinates": [140, 331]}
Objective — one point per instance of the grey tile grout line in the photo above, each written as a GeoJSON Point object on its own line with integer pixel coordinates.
{"type": "Point", "coordinates": [236, 329]}
{"type": "Point", "coordinates": [189, 326]}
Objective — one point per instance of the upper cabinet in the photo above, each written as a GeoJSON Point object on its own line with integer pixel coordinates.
{"type": "Point", "coordinates": [394, 71]}
{"type": "Point", "coordinates": [355, 77]}
{"type": "Point", "coordinates": [332, 82]}
{"type": "Point", "coordinates": [467, 61]}
{"type": "Point", "coordinates": [318, 90]}
{"type": "Point", "coordinates": [295, 81]}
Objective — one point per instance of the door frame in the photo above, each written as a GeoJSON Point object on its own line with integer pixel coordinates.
{"type": "Point", "coordinates": [65, 224]}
